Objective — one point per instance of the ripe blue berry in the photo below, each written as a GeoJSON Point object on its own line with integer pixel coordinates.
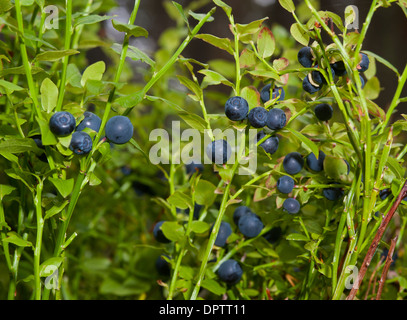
{"type": "Point", "coordinates": [197, 210]}
{"type": "Point", "coordinates": [224, 232]}
{"type": "Point", "coordinates": [291, 205]}
{"type": "Point", "coordinates": [239, 212]}
{"type": "Point", "coordinates": [276, 119]}
{"type": "Point", "coordinates": [158, 233]}
{"type": "Point", "coordinates": [285, 184]}
{"type": "Point", "coordinates": [293, 163]}
{"type": "Point", "coordinates": [230, 272]}
{"type": "Point", "coordinates": [162, 266]}
{"type": "Point", "coordinates": [339, 68]}
{"type": "Point", "coordinates": [250, 225]}
{"type": "Point", "coordinates": [318, 78]}
{"type": "Point", "coordinates": [332, 194]}
{"type": "Point", "coordinates": [364, 62]}
{"type": "Point", "coordinates": [270, 145]}
{"type": "Point", "coordinates": [219, 151]}
{"type": "Point", "coordinates": [276, 92]}
{"type": "Point", "coordinates": [258, 117]}
{"type": "Point", "coordinates": [273, 234]}
{"type": "Point", "coordinates": [305, 57]}
{"type": "Point", "coordinates": [192, 167]}
{"type": "Point", "coordinates": [62, 123]}
{"type": "Point", "coordinates": [91, 121]}
{"type": "Point", "coordinates": [81, 142]}
{"type": "Point", "coordinates": [236, 108]}
{"type": "Point", "coordinates": [362, 80]}
{"type": "Point", "coordinates": [119, 129]}
{"type": "Point", "coordinates": [308, 86]}
{"type": "Point", "coordinates": [323, 111]}
{"type": "Point", "coordinates": [315, 164]}
{"type": "Point", "coordinates": [383, 194]}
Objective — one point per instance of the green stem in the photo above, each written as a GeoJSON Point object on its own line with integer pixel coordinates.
{"type": "Point", "coordinates": [68, 35]}
{"type": "Point", "coordinates": [38, 242]}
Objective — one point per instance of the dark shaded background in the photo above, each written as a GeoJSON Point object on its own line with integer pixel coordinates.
{"type": "Point", "coordinates": [387, 35]}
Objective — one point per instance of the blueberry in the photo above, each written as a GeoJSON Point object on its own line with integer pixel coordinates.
{"type": "Point", "coordinates": [62, 123]}
{"type": "Point", "coordinates": [362, 80]}
{"type": "Point", "coordinates": [383, 194]}
{"type": "Point", "coordinates": [339, 68]}
{"type": "Point", "coordinates": [270, 145]}
{"type": "Point", "coordinates": [224, 232]}
{"type": "Point", "coordinates": [162, 266]}
{"type": "Point", "coordinates": [273, 234]}
{"type": "Point", "coordinates": [91, 121]}
{"type": "Point", "coordinates": [285, 184]}
{"type": "Point", "coordinates": [305, 57]}
{"type": "Point", "coordinates": [276, 92]}
{"type": "Point", "coordinates": [193, 167]}
{"type": "Point", "coordinates": [332, 194]}
{"type": "Point", "coordinates": [119, 129]}
{"type": "Point", "coordinates": [315, 164]}
{"type": "Point", "coordinates": [219, 151]}
{"type": "Point", "coordinates": [318, 78]}
{"type": "Point", "coordinates": [230, 272]}
{"type": "Point", "coordinates": [291, 205]}
{"type": "Point", "coordinates": [323, 111]}
{"type": "Point", "coordinates": [258, 117]}
{"type": "Point", "coordinates": [364, 63]}
{"type": "Point", "coordinates": [276, 119]}
{"type": "Point", "coordinates": [158, 233]}
{"type": "Point", "coordinates": [236, 108]}
{"type": "Point", "coordinates": [197, 210]}
{"type": "Point", "coordinates": [239, 212]}
{"type": "Point", "coordinates": [250, 225]}
{"type": "Point", "coordinates": [81, 142]}
{"type": "Point", "coordinates": [308, 86]}
{"type": "Point", "coordinates": [293, 163]}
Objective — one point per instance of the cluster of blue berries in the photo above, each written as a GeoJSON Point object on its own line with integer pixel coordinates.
{"type": "Point", "coordinates": [118, 130]}
{"type": "Point", "coordinates": [314, 80]}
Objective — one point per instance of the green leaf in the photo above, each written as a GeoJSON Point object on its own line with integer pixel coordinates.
{"type": "Point", "coordinates": [335, 168]}
{"type": "Point", "coordinates": [221, 43]}
{"type": "Point", "coordinates": [134, 53]}
{"type": "Point", "coordinates": [5, 5]}
{"type": "Point", "coordinates": [55, 209]}
{"type": "Point", "coordinates": [205, 192]}
{"type": "Point", "coordinates": [297, 237]}
{"type": "Point", "coordinates": [5, 190]}
{"type": "Point", "coordinates": [213, 78]}
{"type": "Point", "coordinates": [199, 226]}
{"type": "Point", "coordinates": [200, 16]}
{"type": "Point", "coordinates": [27, 3]}
{"type": "Point", "coordinates": [90, 19]}
{"type": "Point", "coordinates": [129, 29]}
{"type": "Point", "coordinates": [73, 76]}
{"type": "Point", "coordinates": [17, 240]}
{"type": "Point", "coordinates": [310, 144]}
{"type": "Point", "coordinates": [224, 6]}
{"type": "Point", "coordinates": [288, 5]}
{"type": "Point", "coordinates": [93, 72]}
{"type": "Point", "coordinates": [49, 95]}
{"type": "Point", "coordinates": [55, 55]}
{"type": "Point", "coordinates": [265, 74]}
{"type": "Point", "coordinates": [181, 12]}
{"type": "Point", "coordinates": [372, 88]}
{"type": "Point", "coordinates": [47, 137]}
{"type": "Point", "coordinates": [213, 286]}
{"type": "Point", "coordinates": [194, 121]}
{"type": "Point", "coordinates": [382, 61]}
{"type": "Point", "coordinates": [247, 58]}
{"type": "Point", "coordinates": [18, 145]}
{"type": "Point", "coordinates": [130, 100]}
{"type": "Point", "coordinates": [9, 86]}
{"type": "Point", "coordinates": [265, 43]}
{"type": "Point", "coordinates": [191, 85]}
{"type": "Point", "coordinates": [250, 28]}
{"type": "Point", "coordinates": [48, 267]}
{"type": "Point", "coordinates": [172, 230]}
{"type": "Point", "coordinates": [299, 34]}
{"type": "Point", "coordinates": [180, 200]}
{"type": "Point", "coordinates": [251, 95]}
{"type": "Point", "coordinates": [64, 187]}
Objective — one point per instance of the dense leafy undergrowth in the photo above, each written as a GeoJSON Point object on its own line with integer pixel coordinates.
{"type": "Point", "coordinates": [100, 219]}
